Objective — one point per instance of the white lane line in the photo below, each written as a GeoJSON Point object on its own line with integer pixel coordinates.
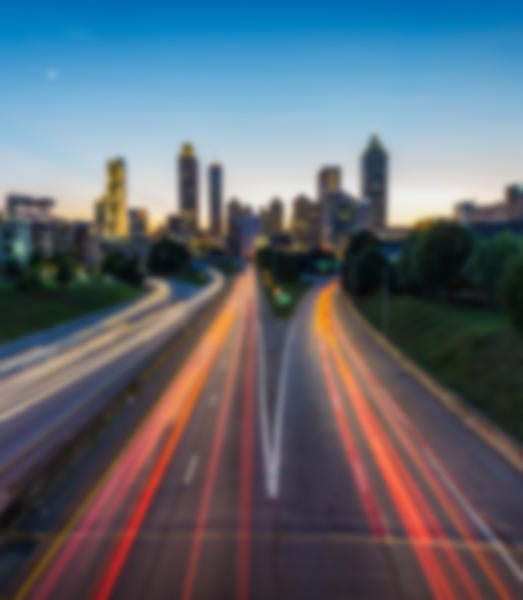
{"type": "Point", "coordinates": [475, 517]}
{"type": "Point", "coordinates": [274, 467]}
{"type": "Point", "coordinates": [263, 402]}
{"type": "Point", "coordinates": [190, 471]}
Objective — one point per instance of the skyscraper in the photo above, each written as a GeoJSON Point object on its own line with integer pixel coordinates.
{"type": "Point", "coordinates": [216, 198]}
{"type": "Point", "coordinates": [188, 188]}
{"type": "Point", "coordinates": [111, 209]}
{"type": "Point", "coordinates": [272, 218]}
{"type": "Point", "coordinates": [514, 201]}
{"type": "Point", "coordinates": [329, 182]}
{"type": "Point", "coordinates": [374, 182]}
{"type": "Point", "coordinates": [306, 223]}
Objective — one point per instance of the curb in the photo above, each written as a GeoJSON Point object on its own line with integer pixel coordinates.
{"type": "Point", "coordinates": [495, 438]}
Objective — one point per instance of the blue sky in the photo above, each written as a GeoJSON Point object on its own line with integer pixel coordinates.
{"type": "Point", "coordinates": [272, 90]}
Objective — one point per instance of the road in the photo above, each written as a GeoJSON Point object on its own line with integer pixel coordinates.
{"type": "Point", "coordinates": [43, 404]}
{"type": "Point", "coordinates": [293, 461]}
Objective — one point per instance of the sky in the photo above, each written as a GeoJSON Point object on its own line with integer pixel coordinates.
{"type": "Point", "coordinates": [272, 90]}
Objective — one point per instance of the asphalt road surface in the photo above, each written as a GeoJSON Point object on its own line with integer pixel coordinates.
{"type": "Point", "coordinates": [310, 467]}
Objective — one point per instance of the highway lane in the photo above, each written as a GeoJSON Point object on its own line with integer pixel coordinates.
{"type": "Point", "coordinates": [49, 402]}
{"type": "Point", "coordinates": [44, 345]}
{"type": "Point", "coordinates": [346, 482]}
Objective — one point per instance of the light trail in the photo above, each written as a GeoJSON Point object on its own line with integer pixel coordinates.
{"type": "Point", "coordinates": [212, 467]}
{"type": "Point", "coordinates": [389, 465]}
{"type": "Point", "coordinates": [398, 420]}
{"type": "Point", "coordinates": [171, 412]}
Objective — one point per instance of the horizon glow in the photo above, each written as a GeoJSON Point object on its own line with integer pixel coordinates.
{"type": "Point", "coordinates": [272, 91]}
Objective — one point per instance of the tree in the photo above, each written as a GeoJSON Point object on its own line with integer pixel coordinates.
{"type": "Point", "coordinates": [359, 244]}
{"type": "Point", "coordinates": [438, 256]}
{"type": "Point", "coordinates": [488, 261]}
{"type": "Point", "coordinates": [168, 257]}
{"type": "Point", "coordinates": [364, 274]}
{"type": "Point", "coordinates": [65, 268]}
{"type": "Point", "coordinates": [123, 264]}
{"type": "Point", "coordinates": [512, 288]}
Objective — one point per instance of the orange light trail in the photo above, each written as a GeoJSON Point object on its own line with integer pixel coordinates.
{"type": "Point", "coordinates": [212, 469]}
{"type": "Point", "coordinates": [386, 404]}
{"type": "Point", "coordinates": [108, 496]}
{"type": "Point", "coordinates": [246, 462]}
{"type": "Point", "coordinates": [388, 463]}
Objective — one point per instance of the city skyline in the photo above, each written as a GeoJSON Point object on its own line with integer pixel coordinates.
{"type": "Point", "coordinates": [272, 96]}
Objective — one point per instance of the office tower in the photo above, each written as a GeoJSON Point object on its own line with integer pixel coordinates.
{"type": "Point", "coordinates": [272, 218]}
{"type": "Point", "coordinates": [374, 182]}
{"type": "Point", "coordinates": [306, 223]}
{"type": "Point", "coordinates": [215, 198]}
{"type": "Point", "coordinates": [514, 202]}
{"type": "Point", "coordinates": [111, 209]}
{"type": "Point", "coordinates": [188, 188]}
{"type": "Point", "coordinates": [329, 182]}
{"type": "Point", "coordinates": [138, 222]}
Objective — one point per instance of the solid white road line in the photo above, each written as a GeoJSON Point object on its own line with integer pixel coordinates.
{"type": "Point", "coordinates": [480, 523]}
{"type": "Point", "coordinates": [262, 400]}
{"type": "Point", "coordinates": [190, 471]}
{"type": "Point", "coordinates": [276, 454]}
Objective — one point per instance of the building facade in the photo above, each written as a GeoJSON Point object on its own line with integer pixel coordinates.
{"type": "Point", "coordinates": [188, 190]}
{"type": "Point", "coordinates": [216, 199]}
{"type": "Point", "coordinates": [306, 225]}
{"type": "Point", "coordinates": [514, 201]}
{"type": "Point", "coordinates": [374, 182]}
{"type": "Point", "coordinates": [111, 215]}
{"type": "Point", "coordinates": [272, 218]}
{"type": "Point", "coordinates": [328, 182]}
{"type": "Point", "coordinates": [138, 223]}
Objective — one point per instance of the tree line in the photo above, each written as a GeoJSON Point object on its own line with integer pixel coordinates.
{"type": "Point", "coordinates": [441, 259]}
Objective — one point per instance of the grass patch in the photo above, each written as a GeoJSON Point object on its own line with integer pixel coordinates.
{"type": "Point", "coordinates": [25, 313]}
{"type": "Point", "coordinates": [283, 298]}
{"type": "Point", "coordinates": [474, 351]}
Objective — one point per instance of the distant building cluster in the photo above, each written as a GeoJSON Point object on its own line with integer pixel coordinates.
{"type": "Point", "coordinates": [30, 227]}
{"type": "Point", "coordinates": [506, 211]}
{"type": "Point", "coordinates": [325, 221]}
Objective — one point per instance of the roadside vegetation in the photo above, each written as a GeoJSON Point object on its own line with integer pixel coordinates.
{"type": "Point", "coordinates": [453, 303]}
{"type": "Point", "coordinates": [25, 313]}
{"type": "Point", "coordinates": [285, 275]}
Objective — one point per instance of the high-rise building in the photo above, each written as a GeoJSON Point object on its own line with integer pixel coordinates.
{"type": "Point", "coordinates": [306, 223]}
{"type": "Point", "coordinates": [138, 222]}
{"type": "Point", "coordinates": [216, 198]}
{"type": "Point", "coordinates": [374, 182]}
{"type": "Point", "coordinates": [243, 227]}
{"type": "Point", "coordinates": [329, 182]}
{"type": "Point", "coordinates": [341, 209]}
{"type": "Point", "coordinates": [514, 201]}
{"type": "Point", "coordinates": [111, 209]}
{"type": "Point", "coordinates": [188, 188]}
{"type": "Point", "coordinates": [272, 218]}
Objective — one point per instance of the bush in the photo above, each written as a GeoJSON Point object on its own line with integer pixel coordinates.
{"type": "Point", "coordinates": [30, 280]}
{"type": "Point", "coordinates": [512, 287]}
{"type": "Point", "coordinates": [13, 269]}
